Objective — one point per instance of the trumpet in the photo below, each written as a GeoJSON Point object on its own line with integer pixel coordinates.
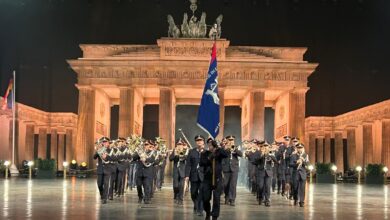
{"type": "Point", "coordinates": [182, 152]}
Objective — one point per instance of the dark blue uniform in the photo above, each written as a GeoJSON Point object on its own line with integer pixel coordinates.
{"type": "Point", "coordinates": [100, 174]}
{"type": "Point", "coordinates": [299, 177]}
{"type": "Point", "coordinates": [207, 187]}
{"type": "Point", "coordinates": [195, 177]}
{"type": "Point", "coordinates": [178, 174]}
{"type": "Point", "coordinates": [230, 167]}
{"type": "Point", "coordinates": [144, 178]}
{"type": "Point", "coordinates": [264, 164]}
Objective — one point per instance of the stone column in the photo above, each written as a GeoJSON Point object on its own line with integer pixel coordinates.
{"type": "Point", "coordinates": [386, 142]}
{"type": "Point", "coordinates": [297, 113]}
{"type": "Point", "coordinates": [256, 119]}
{"type": "Point", "coordinates": [320, 149]}
{"type": "Point", "coordinates": [327, 149]}
{"type": "Point", "coordinates": [312, 148]}
{"type": "Point", "coordinates": [10, 140]}
{"type": "Point", "coordinates": [166, 121]}
{"type": "Point", "coordinates": [351, 146]}
{"type": "Point", "coordinates": [42, 143]}
{"type": "Point", "coordinates": [29, 155]}
{"type": "Point", "coordinates": [85, 125]}
{"type": "Point", "coordinates": [61, 151]}
{"type": "Point", "coordinates": [339, 151]}
{"type": "Point", "coordinates": [126, 112]}
{"type": "Point", "coordinates": [359, 145]}
{"type": "Point", "coordinates": [53, 145]}
{"type": "Point", "coordinates": [69, 145]}
{"type": "Point", "coordinates": [368, 148]}
{"type": "Point", "coordinates": [377, 136]}
{"type": "Point", "coordinates": [221, 94]}
{"type": "Point", "coordinates": [167, 110]}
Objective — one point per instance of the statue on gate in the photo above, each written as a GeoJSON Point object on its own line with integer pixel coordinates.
{"type": "Point", "coordinates": [194, 28]}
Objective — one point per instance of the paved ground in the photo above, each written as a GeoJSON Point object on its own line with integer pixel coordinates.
{"type": "Point", "coordinates": [78, 199]}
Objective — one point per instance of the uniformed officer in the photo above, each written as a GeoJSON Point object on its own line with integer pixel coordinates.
{"type": "Point", "coordinates": [178, 157]}
{"type": "Point", "coordinates": [264, 161]}
{"type": "Point", "coordinates": [230, 168]}
{"type": "Point", "coordinates": [121, 166]}
{"type": "Point", "coordinates": [251, 167]}
{"type": "Point", "coordinates": [109, 170]}
{"type": "Point", "coordinates": [145, 172]}
{"type": "Point", "coordinates": [99, 171]}
{"type": "Point", "coordinates": [298, 163]}
{"type": "Point", "coordinates": [282, 165]}
{"type": "Point", "coordinates": [212, 185]}
{"type": "Point", "coordinates": [194, 175]}
{"type": "Point", "coordinates": [289, 150]}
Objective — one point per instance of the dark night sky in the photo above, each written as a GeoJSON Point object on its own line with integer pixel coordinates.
{"type": "Point", "coordinates": [349, 38]}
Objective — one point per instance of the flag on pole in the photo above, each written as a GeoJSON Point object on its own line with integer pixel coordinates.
{"type": "Point", "coordinates": [208, 114]}
{"type": "Point", "coordinates": [7, 99]}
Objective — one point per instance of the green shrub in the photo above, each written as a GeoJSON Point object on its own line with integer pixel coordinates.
{"type": "Point", "coordinates": [323, 168]}
{"type": "Point", "coordinates": [47, 164]}
{"type": "Point", "coordinates": [374, 169]}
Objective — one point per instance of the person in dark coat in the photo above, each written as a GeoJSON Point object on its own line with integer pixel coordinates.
{"type": "Point", "coordinates": [230, 167]}
{"type": "Point", "coordinates": [109, 170]}
{"type": "Point", "coordinates": [264, 162]}
{"type": "Point", "coordinates": [121, 166]}
{"type": "Point", "coordinates": [194, 175]}
{"type": "Point", "coordinates": [298, 162]}
{"type": "Point", "coordinates": [212, 185]}
{"type": "Point", "coordinates": [178, 157]}
{"type": "Point", "coordinates": [145, 172]}
{"type": "Point", "coordinates": [102, 142]}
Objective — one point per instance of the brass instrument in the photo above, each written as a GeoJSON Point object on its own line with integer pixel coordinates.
{"type": "Point", "coordinates": [133, 142]}
{"type": "Point", "coordinates": [100, 148]}
{"type": "Point", "coordinates": [161, 149]}
{"type": "Point", "coordinates": [302, 157]}
{"type": "Point", "coordinates": [249, 147]}
{"type": "Point", "coordinates": [182, 152]}
{"type": "Point", "coordinates": [185, 138]}
{"type": "Point", "coordinates": [268, 154]}
{"type": "Point", "coordinates": [144, 155]}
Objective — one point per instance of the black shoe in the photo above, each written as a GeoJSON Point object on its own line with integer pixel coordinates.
{"type": "Point", "coordinates": [282, 194]}
{"type": "Point", "coordinates": [214, 218]}
{"type": "Point", "coordinates": [267, 204]}
{"type": "Point", "coordinates": [260, 202]}
{"type": "Point", "coordinates": [104, 201]}
{"type": "Point", "coordinates": [295, 202]}
{"type": "Point", "coordinates": [232, 203]}
{"type": "Point", "coordinates": [179, 202]}
{"type": "Point", "coordinates": [301, 204]}
{"type": "Point", "coordinates": [195, 212]}
{"type": "Point", "coordinates": [226, 201]}
{"type": "Point", "coordinates": [140, 200]}
{"type": "Point", "coordinates": [111, 198]}
{"type": "Point", "coordinates": [199, 214]}
{"type": "Point", "coordinates": [207, 217]}
{"type": "Point", "coordinates": [147, 201]}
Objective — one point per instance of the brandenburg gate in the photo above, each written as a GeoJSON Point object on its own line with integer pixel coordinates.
{"type": "Point", "coordinates": [173, 72]}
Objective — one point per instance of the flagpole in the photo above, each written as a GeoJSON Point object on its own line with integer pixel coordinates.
{"type": "Point", "coordinates": [13, 168]}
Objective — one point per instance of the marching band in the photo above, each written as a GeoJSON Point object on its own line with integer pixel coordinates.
{"type": "Point", "coordinates": [207, 171]}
